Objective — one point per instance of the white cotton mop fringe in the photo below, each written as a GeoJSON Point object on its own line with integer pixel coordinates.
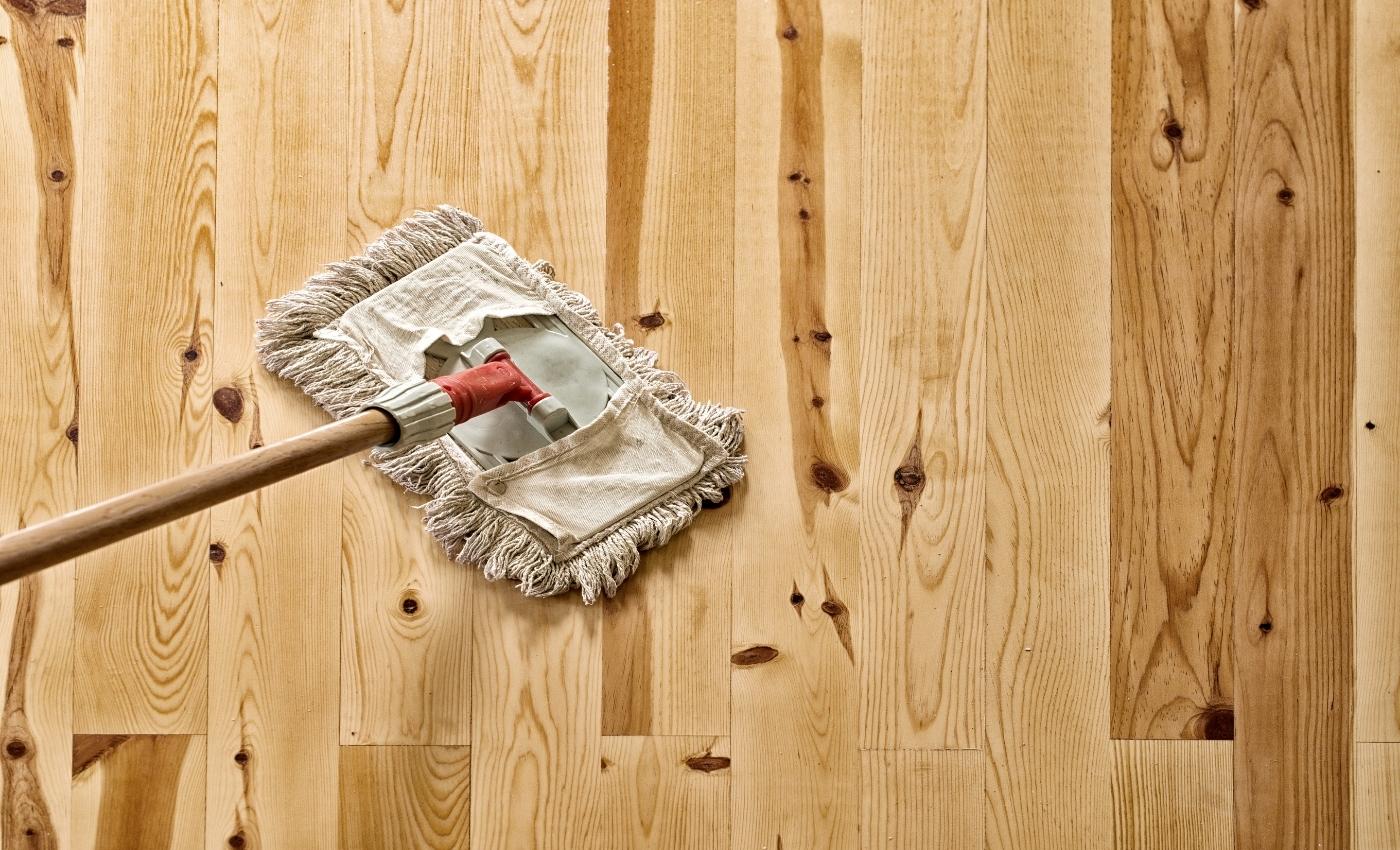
{"type": "Point", "coordinates": [294, 342]}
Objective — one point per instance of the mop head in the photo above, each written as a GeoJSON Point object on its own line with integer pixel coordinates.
{"type": "Point", "coordinates": [575, 513]}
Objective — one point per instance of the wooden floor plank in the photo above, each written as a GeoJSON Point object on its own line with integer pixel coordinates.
{"type": "Point", "coordinates": [147, 233]}
{"type": "Point", "coordinates": [142, 791]}
{"type": "Point", "coordinates": [1377, 425]}
{"type": "Point", "coordinates": [797, 338]}
{"type": "Point", "coordinates": [40, 131]}
{"type": "Point", "coordinates": [915, 799]}
{"type": "Point", "coordinates": [406, 608]}
{"type": "Point", "coordinates": [1047, 426]}
{"type": "Point", "coordinates": [536, 664]}
{"type": "Point", "coordinates": [405, 798]}
{"type": "Point", "coordinates": [1171, 499]}
{"type": "Point", "coordinates": [922, 374]}
{"type": "Point", "coordinates": [274, 602]}
{"type": "Point", "coordinates": [670, 257]}
{"type": "Point", "coordinates": [662, 792]}
{"type": "Point", "coordinates": [1173, 794]}
{"type": "Point", "coordinates": [1377, 797]}
{"type": "Point", "coordinates": [1294, 246]}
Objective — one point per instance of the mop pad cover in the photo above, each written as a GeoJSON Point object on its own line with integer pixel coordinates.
{"type": "Point", "coordinates": [574, 514]}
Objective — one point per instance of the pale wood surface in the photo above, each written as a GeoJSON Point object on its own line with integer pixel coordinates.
{"type": "Point", "coordinates": [1050, 409]}
{"type": "Point", "coordinates": [665, 791]}
{"type": "Point", "coordinates": [912, 799]}
{"type": "Point", "coordinates": [670, 264]}
{"type": "Point", "coordinates": [405, 669]}
{"type": "Point", "coordinates": [1048, 758]}
{"type": "Point", "coordinates": [405, 798]}
{"type": "Point", "coordinates": [1173, 794]}
{"type": "Point", "coordinates": [1292, 542]}
{"type": "Point", "coordinates": [1173, 353]}
{"type": "Point", "coordinates": [794, 697]}
{"type": "Point", "coordinates": [136, 791]}
{"type": "Point", "coordinates": [40, 125]}
{"type": "Point", "coordinates": [146, 231]}
{"type": "Point", "coordinates": [1377, 421]}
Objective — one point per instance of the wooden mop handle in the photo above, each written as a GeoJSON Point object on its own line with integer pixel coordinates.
{"type": "Point", "coordinates": [66, 537]}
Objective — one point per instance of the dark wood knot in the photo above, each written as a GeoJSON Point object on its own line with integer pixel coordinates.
{"type": "Point", "coordinates": [1217, 724]}
{"type": "Point", "coordinates": [16, 749]}
{"type": "Point", "coordinates": [828, 477]}
{"type": "Point", "coordinates": [752, 655]}
{"type": "Point", "coordinates": [229, 402]}
{"type": "Point", "coordinates": [1330, 494]}
{"type": "Point", "coordinates": [707, 763]}
{"type": "Point", "coordinates": [217, 553]}
{"type": "Point", "coordinates": [790, 32]}
{"type": "Point", "coordinates": [909, 478]}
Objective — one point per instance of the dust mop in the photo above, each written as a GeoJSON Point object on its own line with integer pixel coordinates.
{"type": "Point", "coordinates": [551, 449]}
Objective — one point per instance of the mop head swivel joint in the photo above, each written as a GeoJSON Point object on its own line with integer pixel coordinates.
{"type": "Point", "coordinates": [552, 449]}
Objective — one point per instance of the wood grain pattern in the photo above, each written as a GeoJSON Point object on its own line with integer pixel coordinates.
{"type": "Point", "coordinates": [405, 798]}
{"type": "Point", "coordinates": [1047, 426]}
{"type": "Point", "coordinates": [405, 607]}
{"type": "Point", "coordinates": [1294, 245]}
{"type": "Point", "coordinates": [40, 131]}
{"type": "Point", "coordinates": [1054, 358]}
{"type": "Point", "coordinates": [670, 792]}
{"type": "Point", "coordinates": [922, 374]}
{"type": "Point", "coordinates": [142, 791]}
{"type": "Point", "coordinates": [793, 695]}
{"type": "Point", "coordinates": [1173, 417]}
{"type": "Point", "coordinates": [536, 664]}
{"type": "Point", "coordinates": [1377, 421]}
{"type": "Point", "coordinates": [913, 799]}
{"type": "Point", "coordinates": [141, 632]}
{"type": "Point", "coordinates": [670, 261]}
{"type": "Point", "coordinates": [1377, 796]}
{"type": "Point", "coordinates": [274, 606]}
{"type": "Point", "coordinates": [1173, 794]}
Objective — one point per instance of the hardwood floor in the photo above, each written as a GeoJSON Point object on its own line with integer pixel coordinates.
{"type": "Point", "coordinates": [1067, 332]}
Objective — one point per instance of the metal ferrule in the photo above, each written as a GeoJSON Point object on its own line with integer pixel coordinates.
{"type": "Point", "coordinates": [421, 409]}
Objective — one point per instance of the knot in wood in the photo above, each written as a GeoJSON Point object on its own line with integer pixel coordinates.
{"type": "Point", "coordinates": [828, 477]}
{"type": "Point", "coordinates": [909, 478]}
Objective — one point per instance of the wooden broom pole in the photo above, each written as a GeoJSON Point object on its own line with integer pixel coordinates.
{"type": "Point", "coordinates": [68, 536]}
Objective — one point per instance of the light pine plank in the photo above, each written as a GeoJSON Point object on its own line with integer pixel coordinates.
{"type": "Point", "coordinates": [406, 609]}
{"type": "Point", "coordinates": [793, 691]}
{"type": "Point", "coordinates": [662, 792]}
{"type": "Point", "coordinates": [146, 229]}
{"type": "Point", "coordinates": [1173, 794]}
{"type": "Point", "coordinates": [1377, 797]}
{"type": "Point", "coordinates": [670, 261]}
{"type": "Point", "coordinates": [274, 604]}
{"type": "Point", "coordinates": [923, 376]}
{"type": "Point", "coordinates": [405, 798]}
{"type": "Point", "coordinates": [1048, 757]}
{"type": "Point", "coordinates": [915, 799]}
{"type": "Point", "coordinates": [1294, 245]}
{"type": "Point", "coordinates": [1173, 431]}
{"type": "Point", "coordinates": [536, 664]}
{"type": "Point", "coordinates": [40, 131]}
{"type": "Point", "coordinates": [142, 791]}
{"type": "Point", "coordinates": [1377, 390]}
